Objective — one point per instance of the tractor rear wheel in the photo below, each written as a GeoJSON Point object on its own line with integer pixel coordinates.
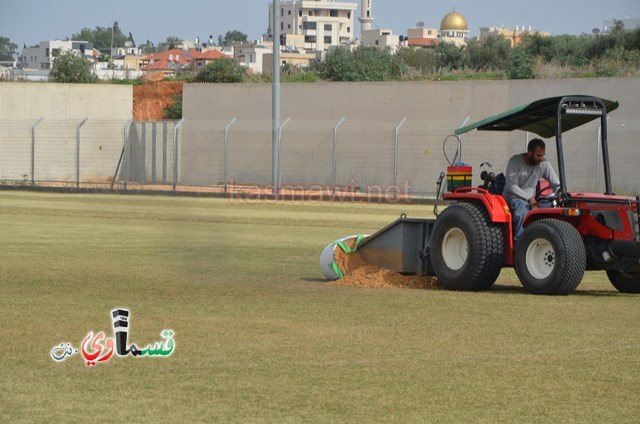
{"type": "Point", "coordinates": [467, 249]}
{"type": "Point", "coordinates": [550, 257]}
{"type": "Point", "coordinates": [625, 282]}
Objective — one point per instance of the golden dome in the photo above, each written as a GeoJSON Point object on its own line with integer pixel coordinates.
{"type": "Point", "coordinates": [454, 21]}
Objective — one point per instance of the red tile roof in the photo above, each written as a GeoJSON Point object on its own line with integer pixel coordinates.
{"type": "Point", "coordinates": [423, 42]}
{"type": "Point", "coordinates": [178, 58]}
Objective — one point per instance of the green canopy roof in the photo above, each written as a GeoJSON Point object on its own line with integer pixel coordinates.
{"type": "Point", "coordinates": [538, 117]}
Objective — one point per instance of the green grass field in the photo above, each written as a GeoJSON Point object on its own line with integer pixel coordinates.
{"type": "Point", "coordinates": [259, 335]}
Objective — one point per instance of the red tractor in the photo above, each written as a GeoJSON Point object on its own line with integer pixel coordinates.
{"type": "Point", "coordinates": [472, 239]}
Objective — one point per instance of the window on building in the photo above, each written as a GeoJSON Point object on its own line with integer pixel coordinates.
{"type": "Point", "coordinates": [300, 13]}
{"type": "Point", "coordinates": [348, 15]}
{"type": "Point", "coordinates": [328, 27]}
{"type": "Point", "coordinates": [281, 12]}
{"type": "Point", "coordinates": [46, 52]}
{"type": "Point", "coordinates": [348, 30]}
{"type": "Point", "coordinates": [333, 13]}
{"type": "Point", "coordinates": [309, 25]}
{"type": "Point", "coordinates": [327, 39]}
{"type": "Point", "coordinates": [311, 13]}
{"type": "Point", "coordinates": [281, 26]}
{"type": "Point", "coordinates": [288, 26]}
{"type": "Point", "coordinates": [377, 42]}
{"type": "Point", "coordinates": [310, 39]}
{"type": "Point", "coordinates": [289, 12]}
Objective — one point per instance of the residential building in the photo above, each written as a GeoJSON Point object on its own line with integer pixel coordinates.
{"type": "Point", "coordinates": [513, 35]}
{"type": "Point", "coordinates": [43, 55]}
{"type": "Point", "coordinates": [323, 23]}
{"type": "Point", "coordinates": [173, 61]}
{"type": "Point", "coordinates": [382, 38]}
{"type": "Point", "coordinates": [422, 37]}
{"type": "Point", "coordinates": [251, 56]}
{"type": "Point", "coordinates": [295, 58]}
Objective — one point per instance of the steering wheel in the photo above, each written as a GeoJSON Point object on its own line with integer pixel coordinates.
{"type": "Point", "coordinates": [555, 195]}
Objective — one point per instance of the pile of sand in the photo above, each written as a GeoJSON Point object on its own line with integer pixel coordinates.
{"type": "Point", "coordinates": [358, 273]}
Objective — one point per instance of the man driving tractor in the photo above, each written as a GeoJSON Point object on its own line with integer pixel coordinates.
{"type": "Point", "coordinates": [523, 173]}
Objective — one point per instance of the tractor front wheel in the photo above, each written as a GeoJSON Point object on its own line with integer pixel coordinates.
{"type": "Point", "coordinates": [625, 282]}
{"type": "Point", "coordinates": [550, 257]}
{"type": "Point", "coordinates": [467, 250]}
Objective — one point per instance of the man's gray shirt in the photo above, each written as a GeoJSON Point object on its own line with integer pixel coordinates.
{"type": "Point", "coordinates": [522, 178]}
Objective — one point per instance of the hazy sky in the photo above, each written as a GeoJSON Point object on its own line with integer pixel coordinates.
{"type": "Point", "coordinates": [31, 21]}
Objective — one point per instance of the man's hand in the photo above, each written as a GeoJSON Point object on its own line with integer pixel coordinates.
{"type": "Point", "coordinates": [534, 203]}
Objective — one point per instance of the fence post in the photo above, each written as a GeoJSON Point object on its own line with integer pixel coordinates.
{"type": "Point", "coordinates": [164, 152]}
{"type": "Point", "coordinates": [78, 152]}
{"type": "Point", "coordinates": [395, 152]}
{"type": "Point", "coordinates": [153, 152]}
{"type": "Point", "coordinates": [125, 131]}
{"type": "Point", "coordinates": [335, 153]}
{"type": "Point", "coordinates": [226, 153]}
{"type": "Point", "coordinates": [175, 153]}
{"type": "Point", "coordinates": [279, 175]}
{"type": "Point", "coordinates": [33, 151]}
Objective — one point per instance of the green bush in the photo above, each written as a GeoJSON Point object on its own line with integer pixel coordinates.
{"type": "Point", "coordinates": [69, 68]}
{"type": "Point", "coordinates": [175, 110]}
{"type": "Point", "coordinates": [223, 71]}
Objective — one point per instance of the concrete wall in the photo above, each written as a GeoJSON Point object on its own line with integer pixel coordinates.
{"type": "Point", "coordinates": [47, 149]}
{"type": "Point", "coordinates": [367, 155]}
{"type": "Point", "coordinates": [366, 140]}
{"type": "Point", "coordinates": [65, 101]}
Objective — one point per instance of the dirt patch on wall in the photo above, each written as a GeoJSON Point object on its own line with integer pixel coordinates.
{"type": "Point", "coordinates": [152, 98]}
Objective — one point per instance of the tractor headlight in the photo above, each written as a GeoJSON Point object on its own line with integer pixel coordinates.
{"type": "Point", "coordinates": [572, 212]}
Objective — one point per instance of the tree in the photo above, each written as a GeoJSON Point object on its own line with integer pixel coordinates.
{"type": "Point", "coordinates": [147, 47]}
{"type": "Point", "coordinates": [422, 61]}
{"type": "Point", "coordinates": [366, 63]}
{"type": "Point", "coordinates": [69, 68]}
{"type": "Point", "coordinates": [102, 38]}
{"type": "Point", "coordinates": [7, 49]}
{"type": "Point", "coordinates": [232, 38]}
{"type": "Point", "coordinates": [492, 54]}
{"type": "Point", "coordinates": [174, 111]}
{"type": "Point", "coordinates": [451, 57]}
{"type": "Point", "coordinates": [521, 64]}
{"type": "Point", "coordinates": [223, 70]}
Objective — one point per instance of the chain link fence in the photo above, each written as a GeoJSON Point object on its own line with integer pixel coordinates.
{"type": "Point", "coordinates": [339, 158]}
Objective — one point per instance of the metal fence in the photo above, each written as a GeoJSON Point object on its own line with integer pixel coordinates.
{"type": "Point", "coordinates": [341, 157]}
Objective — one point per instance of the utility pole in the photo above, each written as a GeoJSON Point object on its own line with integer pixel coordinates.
{"type": "Point", "coordinates": [275, 125]}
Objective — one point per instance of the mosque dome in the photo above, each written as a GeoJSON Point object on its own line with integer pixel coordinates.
{"type": "Point", "coordinates": [454, 21]}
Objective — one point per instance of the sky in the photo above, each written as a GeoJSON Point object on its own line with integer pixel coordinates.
{"type": "Point", "coordinates": [31, 21]}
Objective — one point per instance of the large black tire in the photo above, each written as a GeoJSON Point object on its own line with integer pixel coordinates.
{"type": "Point", "coordinates": [467, 249]}
{"type": "Point", "coordinates": [550, 257]}
{"type": "Point", "coordinates": [625, 282]}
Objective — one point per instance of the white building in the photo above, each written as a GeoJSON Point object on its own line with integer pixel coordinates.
{"type": "Point", "coordinates": [43, 55]}
{"type": "Point", "coordinates": [323, 23]}
{"type": "Point", "coordinates": [251, 56]}
{"type": "Point", "coordinates": [382, 38]}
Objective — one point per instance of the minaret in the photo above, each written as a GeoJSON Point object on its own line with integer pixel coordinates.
{"type": "Point", "coordinates": [366, 18]}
